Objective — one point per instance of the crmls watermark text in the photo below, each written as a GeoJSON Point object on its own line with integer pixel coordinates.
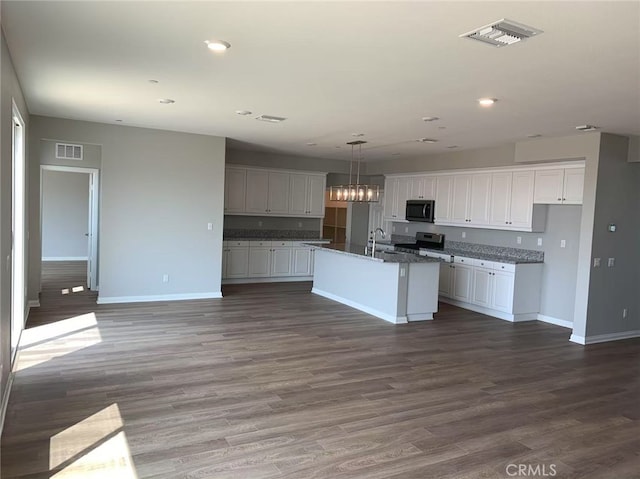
{"type": "Point", "coordinates": [531, 470]}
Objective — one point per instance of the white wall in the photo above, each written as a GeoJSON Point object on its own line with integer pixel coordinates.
{"type": "Point", "coordinates": [159, 190]}
{"type": "Point", "coordinates": [65, 215]}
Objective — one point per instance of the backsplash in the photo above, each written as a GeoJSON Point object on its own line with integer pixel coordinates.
{"type": "Point", "coordinates": [270, 234]}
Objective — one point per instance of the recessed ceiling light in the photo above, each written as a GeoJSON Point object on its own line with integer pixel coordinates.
{"type": "Point", "coordinates": [119, 121]}
{"type": "Point", "coordinates": [395, 154]}
{"type": "Point", "coordinates": [452, 146]}
{"type": "Point", "coordinates": [357, 134]}
{"type": "Point", "coordinates": [534, 135]}
{"type": "Point", "coordinates": [270, 118]}
{"type": "Point", "coordinates": [154, 81]}
{"type": "Point", "coordinates": [311, 144]}
{"type": "Point", "coordinates": [586, 128]}
{"type": "Point", "coordinates": [487, 101]}
{"type": "Point", "coordinates": [218, 45]}
{"type": "Point", "coordinates": [426, 140]}
{"type": "Point", "coordinates": [166, 101]}
{"type": "Point", "coordinates": [430, 118]}
{"type": "Point", "coordinates": [442, 128]}
{"type": "Point", "coordinates": [243, 112]}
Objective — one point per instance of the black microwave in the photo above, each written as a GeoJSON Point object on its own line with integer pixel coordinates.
{"type": "Point", "coordinates": [420, 210]}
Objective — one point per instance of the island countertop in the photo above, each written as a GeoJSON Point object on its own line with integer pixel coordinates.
{"type": "Point", "coordinates": [353, 249]}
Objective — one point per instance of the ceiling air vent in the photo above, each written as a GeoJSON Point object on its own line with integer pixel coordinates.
{"type": "Point", "coordinates": [502, 33]}
{"type": "Point", "coordinates": [270, 119]}
{"type": "Point", "coordinates": [65, 151]}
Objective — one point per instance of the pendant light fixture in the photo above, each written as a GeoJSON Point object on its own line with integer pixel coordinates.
{"type": "Point", "coordinates": [355, 192]}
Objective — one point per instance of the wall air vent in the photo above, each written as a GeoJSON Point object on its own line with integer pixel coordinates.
{"type": "Point", "coordinates": [502, 33]}
{"type": "Point", "coordinates": [270, 119]}
{"type": "Point", "coordinates": [66, 151]}
{"type": "Point", "coordinates": [586, 128]}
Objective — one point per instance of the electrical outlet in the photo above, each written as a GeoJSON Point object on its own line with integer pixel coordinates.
{"type": "Point", "coordinates": [563, 243]}
{"type": "Point", "coordinates": [165, 278]}
{"type": "Point", "coordinates": [299, 224]}
{"type": "Point", "coordinates": [519, 239]}
{"type": "Point", "coordinates": [596, 262]}
{"type": "Point", "coordinates": [464, 234]}
{"type": "Point", "coordinates": [210, 226]}
{"type": "Point", "coordinates": [611, 262]}
{"type": "Point", "coordinates": [403, 272]}
{"type": "Point", "coordinates": [539, 241]}
{"type": "Point", "coordinates": [259, 223]}
{"type": "Point", "coordinates": [406, 229]}
{"type": "Point", "coordinates": [624, 313]}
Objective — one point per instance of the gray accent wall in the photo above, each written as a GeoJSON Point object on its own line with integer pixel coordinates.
{"type": "Point", "coordinates": [285, 162]}
{"type": "Point", "coordinates": [9, 90]}
{"type": "Point", "coordinates": [560, 264]}
{"type": "Point", "coordinates": [159, 191]}
{"type": "Point", "coordinates": [65, 215]}
{"type": "Point", "coordinates": [617, 202]}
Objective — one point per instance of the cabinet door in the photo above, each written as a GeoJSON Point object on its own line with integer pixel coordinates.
{"type": "Point", "coordinates": [521, 211]}
{"type": "Point", "coordinates": [278, 202]}
{"type": "Point", "coordinates": [259, 261]}
{"type": "Point", "coordinates": [549, 186]}
{"type": "Point", "coordinates": [315, 195]}
{"type": "Point", "coordinates": [402, 195]}
{"type": "Point", "coordinates": [257, 191]}
{"type": "Point", "coordinates": [416, 188]}
{"type": "Point", "coordinates": [462, 282]}
{"type": "Point", "coordinates": [237, 264]}
{"type": "Point", "coordinates": [225, 258]}
{"type": "Point", "coordinates": [301, 262]}
{"type": "Point", "coordinates": [390, 198]}
{"type": "Point", "coordinates": [298, 194]}
{"type": "Point", "coordinates": [573, 186]}
{"type": "Point", "coordinates": [235, 187]}
{"type": "Point", "coordinates": [444, 284]}
{"type": "Point", "coordinates": [479, 199]}
{"type": "Point", "coordinates": [281, 261]}
{"type": "Point", "coordinates": [482, 286]}
{"type": "Point", "coordinates": [502, 296]}
{"type": "Point", "coordinates": [460, 199]}
{"type": "Point", "coordinates": [444, 186]}
{"type": "Point", "coordinates": [500, 199]}
{"type": "Point", "coordinates": [429, 187]}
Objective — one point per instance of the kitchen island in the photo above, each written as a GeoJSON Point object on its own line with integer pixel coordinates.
{"type": "Point", "coordinates": [396, 287]}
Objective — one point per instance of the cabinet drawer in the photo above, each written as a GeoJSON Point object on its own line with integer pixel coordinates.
{"type": "Point", "coordinates": [463, 260]}
{"type": "Point", "coordinates": [237, 243]}
{"type": "Point", "coordinates": [255, 244]}
{"type": "Point", "coordinates": [282, 243]}
{"type": "Point", "coordinates": [482, 263]}
{"type": "Point", "coordinates": [511, 267]}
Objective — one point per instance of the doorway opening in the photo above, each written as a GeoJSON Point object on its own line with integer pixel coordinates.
{"type": "Point", "coordinates": [65, 193]}
{"type": "Point", "coordinates": [18, 233]}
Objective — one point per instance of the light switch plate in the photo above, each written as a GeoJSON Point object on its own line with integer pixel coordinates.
{"type": "Point", "coordinates": [519, 239]}
{"type": "Point", "coordinates": [464, 234]}
{"type": "Point", "coordinates": [611, 262]}
{"type": "Point", "coordinates": [539, 241]}
{"type": "Point", "coordinates": [563, 243]}
{"type": "Point", "coordinates": [596, 262]}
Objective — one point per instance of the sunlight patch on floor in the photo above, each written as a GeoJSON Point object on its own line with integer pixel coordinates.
{"type": "Point", "coordinates": [49, 341]}
{"type": "Point", "coordinates": [96, 447]}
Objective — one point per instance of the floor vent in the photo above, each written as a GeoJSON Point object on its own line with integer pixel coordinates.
{"type": "Point", "coordinates": [66, 151]}
{"type": "Point", "coordinates": [502, 33]}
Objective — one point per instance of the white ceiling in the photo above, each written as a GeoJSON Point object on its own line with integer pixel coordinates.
{"type": "Point", "coordinates": [332, 69]}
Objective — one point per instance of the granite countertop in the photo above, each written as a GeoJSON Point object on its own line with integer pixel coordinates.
{"type": "Point", "coordinates": [485, 256]}
{"type": "Point", "coordinates": [352, 249]}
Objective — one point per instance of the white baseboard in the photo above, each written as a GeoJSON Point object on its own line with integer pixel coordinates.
{"type": "Point", "coordinates": [603, 338]}
{"type": "Point", "coordinates": [283, 279]}
{"type": "Point", "coordinates": [159, 297]}
{"type": "Point", "coordinates": [65, 258]}
{"type": "Point", "coordinates": [5, 400]}
{"type": "Point", "coordinates": [33, 303]}
{"type": "Point", "coordinates": [419, 317]}
{"type": "Point", "coordinates": [557, 321]}
{"type": "Point", "coordinates": [366, 309]}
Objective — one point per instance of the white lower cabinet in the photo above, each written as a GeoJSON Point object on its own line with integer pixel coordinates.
{"type": "Point", "coordinates": [503, 290]}
{"type": "Point", "coordinates": [247, 261]}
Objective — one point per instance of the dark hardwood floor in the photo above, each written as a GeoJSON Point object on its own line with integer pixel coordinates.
{"type": "Point", "coordinates": [274, 382]}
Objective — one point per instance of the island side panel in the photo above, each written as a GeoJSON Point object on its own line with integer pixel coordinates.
{"type": "Point", "coordinates": [422, 293]}
{"type": "Point", "coordinates": [364, 284]}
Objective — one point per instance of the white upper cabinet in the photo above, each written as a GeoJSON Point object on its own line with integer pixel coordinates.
{"type": "Point", "coordinates": [262, 192]}
{"type": "Point", "coordinates": [444, 192]}
{"type": "Point", "coordinates": [422, 188]}
{"type": "Point", "coordinates": [512, 202]}
{"type": "Point", "coordinates": [559, 186]}
{"type": "Point", "coordinates": [396, 194]}
{"type": "Point", "coordinates": [470, 199]}
{"type": "Point", "coordinates": [235, 187]}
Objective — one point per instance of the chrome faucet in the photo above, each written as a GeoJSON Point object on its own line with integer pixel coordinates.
{"type": "Point", "coordinates": [374, 233]}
